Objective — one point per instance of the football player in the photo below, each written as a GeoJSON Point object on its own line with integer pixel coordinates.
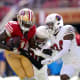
{"type": "Point", "coordinates": [25, 29]}
{"type": "Point", "coordinates": [41, 39]}
{"type": "Point", "coordinates": [64, 44]}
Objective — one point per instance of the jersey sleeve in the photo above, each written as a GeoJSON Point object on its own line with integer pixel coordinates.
{"type": "Point", "coordinates": [10, 28]}
{"type": "Point", "coordinates": [32, 32]}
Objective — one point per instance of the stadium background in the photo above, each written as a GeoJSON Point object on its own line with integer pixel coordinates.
{"type": "Point", "coordinates": [69, 9]}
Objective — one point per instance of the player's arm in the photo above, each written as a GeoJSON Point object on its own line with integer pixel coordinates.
{"type": "Point", "coordinates": [3, 37]}
{"type": "Point", "coordinates": [66, 48]}
{"type": "Point", "coordinates": [67, 41]}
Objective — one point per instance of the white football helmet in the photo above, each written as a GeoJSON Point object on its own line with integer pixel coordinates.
{"type": "Point", "coordinates": [54, 22]}
{"type": "Point", "coordinates": [25, 18]}
{"type": "Point", "coordinates": [42, 34]}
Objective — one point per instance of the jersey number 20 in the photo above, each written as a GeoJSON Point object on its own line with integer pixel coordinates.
{"type": "Point", "coordinates": [55, 46]}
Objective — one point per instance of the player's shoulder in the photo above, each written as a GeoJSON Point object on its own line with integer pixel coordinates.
{"type": "Point", "coordinates": [33, 28]}
{"type": "Point", "coordinates": [13, 23]}
{"type": "Point", "coordinates": [69, 32]}
{"type": "Point", "coordinates": [69, 27]}
{"type": "Point", "coordinates": [12, 27]}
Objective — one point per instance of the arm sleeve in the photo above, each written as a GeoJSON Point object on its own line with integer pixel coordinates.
{"type": "Point", "coordinates": [66, 48]}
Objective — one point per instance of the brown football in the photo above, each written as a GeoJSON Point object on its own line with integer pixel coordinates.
{"type": "Point", "coordinates": [13, 42]}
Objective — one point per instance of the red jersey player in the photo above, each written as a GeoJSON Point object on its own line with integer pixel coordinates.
{"type": "Point", "coordinates": [24, 28]}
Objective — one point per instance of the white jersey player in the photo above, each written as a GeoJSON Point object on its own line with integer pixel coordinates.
{"type": "Point", "coordinates": [41, 38]}
{"type": "Point", "coordinates": [64, 45]}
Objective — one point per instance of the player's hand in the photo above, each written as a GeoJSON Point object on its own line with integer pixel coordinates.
{"type": "Point", "coordinates": [47, 61]}
{"type": "Point", "coordinates": [36, 51]}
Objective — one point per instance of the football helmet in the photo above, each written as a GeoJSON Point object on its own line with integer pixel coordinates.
{"type": "Point", "coordinates": [42, 34]}
{"type": "Point", "coordinates": [54, 22]}
{"type": "Point", "coordinates": [25, 18]}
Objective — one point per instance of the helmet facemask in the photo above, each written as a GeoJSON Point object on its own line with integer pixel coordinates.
{"type": "Point", "coordinates": [50, 27]}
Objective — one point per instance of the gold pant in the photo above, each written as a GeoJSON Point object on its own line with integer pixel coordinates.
{"type": "Point", "coordinates": [20, 64]}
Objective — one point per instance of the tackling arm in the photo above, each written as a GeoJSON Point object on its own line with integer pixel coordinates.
{"type": "Point", "coordinates": [66, 47]}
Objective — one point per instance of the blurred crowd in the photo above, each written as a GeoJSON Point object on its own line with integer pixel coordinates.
{"type": "Point", "coordinates": [5, 5]}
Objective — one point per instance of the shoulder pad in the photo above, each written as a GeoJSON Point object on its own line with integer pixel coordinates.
{"type": "Point", "coordinates": [12, 22]}
{"type": "Point", "coordinates": [69, 29]}
{"type": "Point", "coordinates": [10, 27]}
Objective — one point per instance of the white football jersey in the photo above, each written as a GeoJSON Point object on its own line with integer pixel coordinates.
{"type": "Point", "coordinates": [73, 55]}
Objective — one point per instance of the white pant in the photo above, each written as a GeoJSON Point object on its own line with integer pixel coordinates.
{"type": "Point", "coordinates": [41, 74]}
{"type": "Point", "coordinates": [71, 62]}
{"type": "Point", "coordinates": [70, 70]}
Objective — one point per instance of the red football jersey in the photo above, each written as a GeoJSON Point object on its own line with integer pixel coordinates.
{"type": "Point", "coordinates": [13, 29]}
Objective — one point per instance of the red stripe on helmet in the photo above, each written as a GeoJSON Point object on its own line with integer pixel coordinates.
{"type": "Point", "coordinates": [29, 15]}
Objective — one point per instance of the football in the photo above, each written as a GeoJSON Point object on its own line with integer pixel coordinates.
{"type": "Point", "coordinates": [13, 42]}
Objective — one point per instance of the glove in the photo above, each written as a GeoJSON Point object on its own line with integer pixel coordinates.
{"type": "Point", "coordinates": [36, 51]}
{"type": "Point", "coordinates": [47, 61]}
{"type": "Point", "coordinates": [47, 51]}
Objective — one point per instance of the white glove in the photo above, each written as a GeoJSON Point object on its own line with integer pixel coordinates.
{"type": "Point", "coordinates": [39, 53]}
{"type": "Point", "coordinates": [16, 51]}
{"type": "Point", "coordinates": [47, 61]}
{"type": "Point", "coordinates": [36, 51]}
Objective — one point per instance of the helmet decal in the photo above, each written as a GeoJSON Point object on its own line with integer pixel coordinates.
{"type": "Point", "coordinates": [54, 21]}
{"type": "Point", "coordinates": [58, 18]}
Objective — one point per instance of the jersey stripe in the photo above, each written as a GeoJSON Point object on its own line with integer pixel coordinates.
{"type": "Point", "coordinates": [9, 28]}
